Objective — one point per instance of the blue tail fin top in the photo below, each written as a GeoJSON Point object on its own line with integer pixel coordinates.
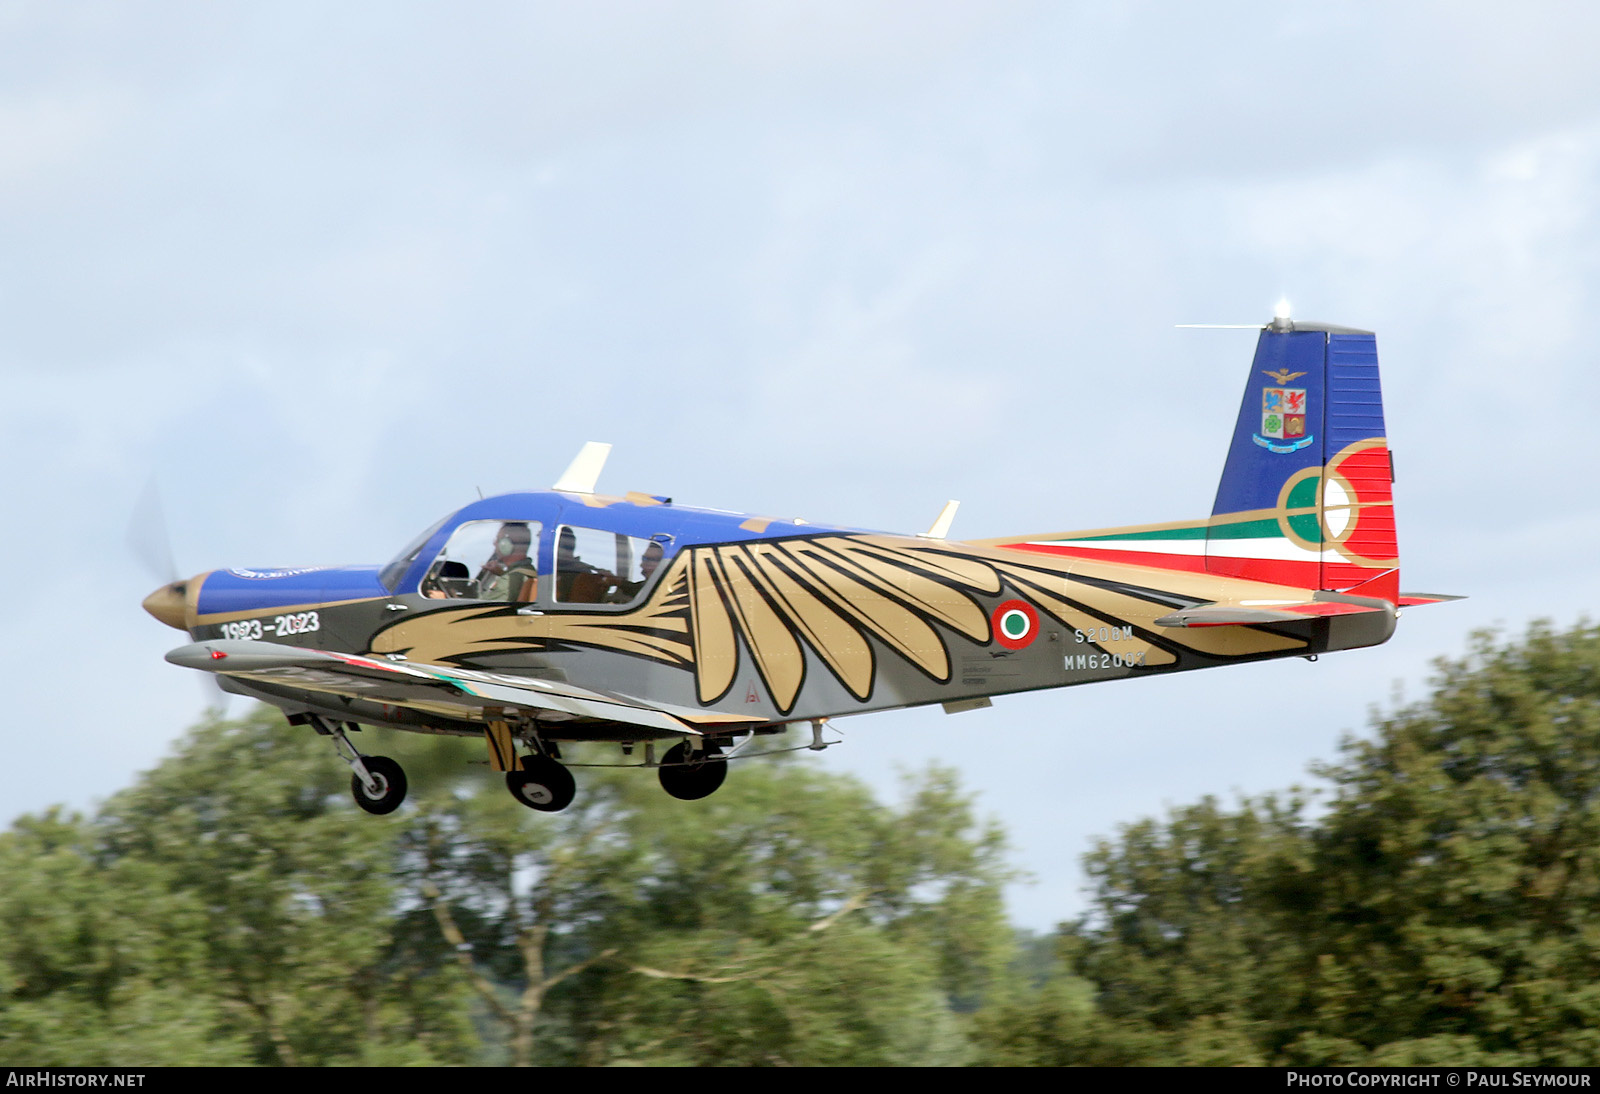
{"type": "Point", "coordinates": [1281, 428]}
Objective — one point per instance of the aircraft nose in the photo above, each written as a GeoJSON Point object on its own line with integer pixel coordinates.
{"type": "Point", "coordinates": [170, 604]}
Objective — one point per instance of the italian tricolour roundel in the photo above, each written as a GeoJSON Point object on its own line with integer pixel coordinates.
{"type": "Point", "coordinates": [1016, 624]}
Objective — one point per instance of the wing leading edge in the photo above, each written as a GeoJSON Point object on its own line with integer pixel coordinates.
{"type": "Point", "coordinates": [402, 683]}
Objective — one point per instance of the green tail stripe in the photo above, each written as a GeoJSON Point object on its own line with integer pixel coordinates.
{"type": "Point", "coordinates": [1248, 529]}
{"type": "Point", "coordinates": [1164, 533]}
{"type": "Point", "coordinates": [1245, 529]}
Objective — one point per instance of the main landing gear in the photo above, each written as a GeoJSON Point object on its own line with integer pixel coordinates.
{"type": "Point", "coordinates": [541, 783]}
{"type": "Point", "coordinates": [690, 776]}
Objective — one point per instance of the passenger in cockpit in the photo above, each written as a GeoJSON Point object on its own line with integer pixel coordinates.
{"type": "Point", "coordinates": [648, 562]}
{"type": "Point", "coordinates": [578, 581]}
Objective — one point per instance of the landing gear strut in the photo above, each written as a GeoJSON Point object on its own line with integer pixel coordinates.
{"type": "Point", "coordinates": [691, 776]}
{"type": "Point", "coordinates": [377, 783]}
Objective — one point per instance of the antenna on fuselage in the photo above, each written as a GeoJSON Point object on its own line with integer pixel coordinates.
{"type": "Point", "coordinates": [941, 525]}
{"type": "Point", "coordinates": [584, 470]}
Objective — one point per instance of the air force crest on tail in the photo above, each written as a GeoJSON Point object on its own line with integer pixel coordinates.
{"type": "Point", "coordinates": [1283, 419]}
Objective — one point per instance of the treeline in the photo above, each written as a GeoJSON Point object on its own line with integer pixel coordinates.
{"type": "Point", "coordinates": [233, 907]}
{"type": "Point", "coordinates": [1437, 903]}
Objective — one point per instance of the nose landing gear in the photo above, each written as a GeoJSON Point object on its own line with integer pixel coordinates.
{"type": "Point", "coordinates": [377, 783]}
{"type": "Point", "coordinates": [387, 788]}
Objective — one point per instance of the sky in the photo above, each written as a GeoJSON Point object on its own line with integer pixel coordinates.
{"type": "Point", "coordinates": [322, 273]}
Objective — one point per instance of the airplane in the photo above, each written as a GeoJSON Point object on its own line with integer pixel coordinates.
{"type": "Point", "coordinates": [535, 620]}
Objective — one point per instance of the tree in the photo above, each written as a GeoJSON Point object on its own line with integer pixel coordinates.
{"type": "Point", "coordinates": [98, 964]}
{"type": "Point", "coordinates": [791, 918]}
{"type": "Point", "coordinates": [231, 907]}
{"type": "Point", "coordinates": [1440, 908]}
{"type": "Point", "coordinates": [1461, 863]}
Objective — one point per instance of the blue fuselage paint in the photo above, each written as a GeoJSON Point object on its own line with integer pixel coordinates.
{"type": "Point", "coordinates": [244, 590]}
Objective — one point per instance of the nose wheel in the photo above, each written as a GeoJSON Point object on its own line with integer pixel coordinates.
{"type": "Point", "coordinates": [542, 784]}
{"type": "Point", "coordinates": [387, 788]}
{"type": "Point", "coordinates": [691, 776]}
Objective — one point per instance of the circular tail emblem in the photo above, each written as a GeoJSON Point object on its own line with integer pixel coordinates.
{"type": "Point", "coordinates": [1016, 624]}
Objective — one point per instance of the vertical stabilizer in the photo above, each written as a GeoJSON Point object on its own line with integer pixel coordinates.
{"type": "Point", "coordinates": [1305, 497]}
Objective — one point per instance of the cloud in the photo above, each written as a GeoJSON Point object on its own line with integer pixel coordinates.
{"type": "Point", "coordinates": [327, 269]}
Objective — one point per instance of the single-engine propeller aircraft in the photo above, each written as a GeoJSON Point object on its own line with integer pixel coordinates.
{"type": "Point", "coordinates": [536, 619]}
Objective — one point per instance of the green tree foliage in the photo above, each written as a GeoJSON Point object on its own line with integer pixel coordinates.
{"type": "Point", "coordinates": [229, 908]}
{"type": "Point", "coordinates": [1442, 905]}
{"type": "Point", "coordinates": [788, 919]}
{"type": "Point", "coordinates": [233, 907]}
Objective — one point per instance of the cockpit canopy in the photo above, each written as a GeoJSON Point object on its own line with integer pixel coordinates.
{"type": "Point", "coordinates": [508, 560]}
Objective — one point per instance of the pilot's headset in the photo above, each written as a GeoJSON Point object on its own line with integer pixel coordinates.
{"type": "Point", "coordinates": [512, 536]}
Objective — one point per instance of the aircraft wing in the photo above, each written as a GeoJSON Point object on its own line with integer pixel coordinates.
{"type": "Point", "coordinates": [383, 680]}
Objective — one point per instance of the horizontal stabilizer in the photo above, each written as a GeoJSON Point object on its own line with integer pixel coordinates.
{"type": "Point", "coordinates": [1255, 612]}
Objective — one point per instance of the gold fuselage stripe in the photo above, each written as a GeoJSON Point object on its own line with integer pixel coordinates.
{"type": "Point", "coordinates": [253, 613]}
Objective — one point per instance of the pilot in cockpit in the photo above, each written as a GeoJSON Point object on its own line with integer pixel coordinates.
{"type": "Point", "coordinates": [510, 574]}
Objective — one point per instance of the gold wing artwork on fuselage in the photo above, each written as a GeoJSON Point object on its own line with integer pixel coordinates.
{"type": "Point", "coordinates": [834, 595]}
{"type": "Point", "coordinates": [831, 593]}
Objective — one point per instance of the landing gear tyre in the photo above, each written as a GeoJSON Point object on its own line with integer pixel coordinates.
{"type": "Point", "coordinates": [542, 784]}
{"type": "Point", "coordinates": [391, 788]}
{"type": "Point", "coordinates": [690, 781]}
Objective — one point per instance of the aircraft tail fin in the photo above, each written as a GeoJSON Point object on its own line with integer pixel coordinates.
{"type": "Point", "coordinates": [1306, 494]}
{"type": "Point", "coordinates": [1305, 499]}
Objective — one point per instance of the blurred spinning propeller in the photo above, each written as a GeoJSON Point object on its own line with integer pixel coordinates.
{"type": "Point", "coordinates": [151, 544]}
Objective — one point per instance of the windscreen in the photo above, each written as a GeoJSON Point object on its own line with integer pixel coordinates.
{"type": "Point", "coordinates": [391, 574]}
